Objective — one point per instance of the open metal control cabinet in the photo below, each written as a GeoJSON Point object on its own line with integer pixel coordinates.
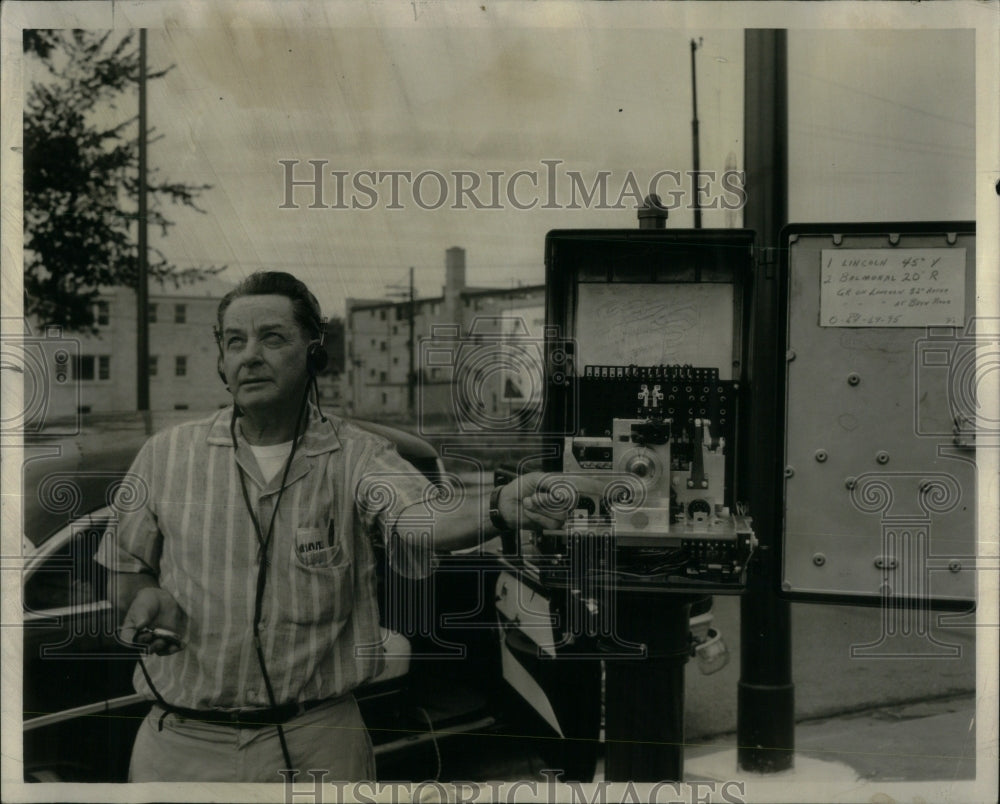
{"type": "Point", "coordinates": [646, 396]}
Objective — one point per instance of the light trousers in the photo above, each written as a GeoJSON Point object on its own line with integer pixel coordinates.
{"type": "Point", "coordinates": [332, 738]}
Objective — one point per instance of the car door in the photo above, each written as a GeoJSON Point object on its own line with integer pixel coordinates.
{"type": "Point", "coordinates": [80, 710]}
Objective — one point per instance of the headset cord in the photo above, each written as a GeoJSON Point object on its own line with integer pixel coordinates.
{"type": "Point", "coordinates": [264, 541]}
{"type": "Point", "coordinates": [261, 578]}
{"type": "Point", "coordinates": [315, 386]}
{"type": "Point", "coordinates": [167, 708]}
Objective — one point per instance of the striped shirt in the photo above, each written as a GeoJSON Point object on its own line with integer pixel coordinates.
{"type": "Point", "coordinates": [189, 526]}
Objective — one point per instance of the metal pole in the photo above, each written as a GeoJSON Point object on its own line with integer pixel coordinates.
{"type": "Point", "coordinates": [142, 278]}
{"type": "Point", "coordinates": [411, 377]}
{"type": "Point", "coordinates": [694, 137]}
{"type": "Point", "coordinates": [765, 723]}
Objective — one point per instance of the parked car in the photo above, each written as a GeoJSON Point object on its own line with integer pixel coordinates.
{"type": "Point", "coordinates": [81, 712]}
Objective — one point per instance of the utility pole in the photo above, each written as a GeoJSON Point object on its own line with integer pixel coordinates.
{"type": "Point", "coordinates": [142, 271]}
{"type": "Point", "coordinates": [411, 377]}
{"type": "Point", "coordinates": [765, 719]}
{"type": "Point", "coordinates": [694, 136]}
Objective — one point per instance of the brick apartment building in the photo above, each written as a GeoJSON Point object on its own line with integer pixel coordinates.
{"type": "Point", "coordinates": [96, 373]}
{"type": "Point", "coordinates": [377, 342]}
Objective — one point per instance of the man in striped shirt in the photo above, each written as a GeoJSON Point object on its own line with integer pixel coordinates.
{"type": "Point", "coordinates": [250, 551]}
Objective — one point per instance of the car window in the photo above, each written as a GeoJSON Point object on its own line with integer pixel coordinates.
{"type": "Point", "coordinates": [69, 576]}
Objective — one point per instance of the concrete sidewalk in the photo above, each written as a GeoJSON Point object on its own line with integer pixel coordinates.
{"type": "Point", "coordinates": [908, 752]}
{"type": "Point", "coordinates": [930, 741]}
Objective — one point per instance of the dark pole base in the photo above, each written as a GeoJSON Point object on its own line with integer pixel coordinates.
{"type": "Point", "coordinates": [767, 733]}
{"type": "Point", "coordinates": [644, 698]}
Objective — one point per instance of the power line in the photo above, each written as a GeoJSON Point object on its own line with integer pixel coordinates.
{"type": "Point", "coordinates": [816, 131]}
{"type": "Point", "coordinates": [886, 100]}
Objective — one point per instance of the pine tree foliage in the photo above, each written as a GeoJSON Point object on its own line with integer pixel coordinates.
{"type": "Point", "coordinates": [81, 176]}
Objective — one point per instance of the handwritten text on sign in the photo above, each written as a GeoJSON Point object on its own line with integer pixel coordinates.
{"type": "Point", "coordinates": [881, 287]}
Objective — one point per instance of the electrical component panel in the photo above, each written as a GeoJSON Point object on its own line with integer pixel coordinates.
{"type": "Point", "coordinates": [655, 323]}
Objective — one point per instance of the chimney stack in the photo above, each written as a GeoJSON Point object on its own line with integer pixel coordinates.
{"type": "Point", "coordinates": [454, 271]}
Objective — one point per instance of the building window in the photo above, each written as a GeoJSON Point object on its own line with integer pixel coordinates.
{"type": "Point", "coordinates": [180, 313]}
{"type": "Point", "coordinates": [381, 376]}
{"type": "Point", "coordinates": [151, 314]}
{"type": "Point", "coordinates": [373, 342]}
{"type": "Point", "coordinates": [104, 367]}
{"type": "Point", "coordinates": [385, 398]}
{"type": "Point", "coordinates": [381, 346]}
{"type": "Point", "coordinates": [152, 365]}
{"type": "Point", "coordinates": [180, 366]}
{"type": "Point", "coordinates": [395, 330]}
{"type": "Point", "coordinates": [83, 367]}
{"type": "Point", "coordinates": [381, 315]}
{"type": "Point", "coordinates": [395, 361]}
{"type": "Point", "coordinates": [103, 313]}
{"type": "Point", "coordinates": [371, 372]}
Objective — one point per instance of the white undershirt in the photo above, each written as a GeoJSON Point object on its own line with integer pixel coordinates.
{"type": "Point", "coordinates": [271, 458]}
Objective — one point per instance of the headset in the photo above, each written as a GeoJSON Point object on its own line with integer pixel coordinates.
{"type": "Point", "coordinates": [316, 356]}
{"type": "Point", "coordinates": [317, 359]}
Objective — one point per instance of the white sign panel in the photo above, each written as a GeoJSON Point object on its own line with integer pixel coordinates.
{"type": "Point", "coordinates": [621, 324]}
{"type": "Point", "coordinates": [883, 287]}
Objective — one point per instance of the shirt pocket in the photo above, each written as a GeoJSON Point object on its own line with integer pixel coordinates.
{"type": "Point", "coordinates": [320, 585]}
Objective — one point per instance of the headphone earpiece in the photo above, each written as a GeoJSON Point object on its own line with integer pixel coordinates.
{"type": "Point", "coordinates": [316, 358]}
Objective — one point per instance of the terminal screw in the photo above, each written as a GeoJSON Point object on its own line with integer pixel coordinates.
{"type": "Point", "coordinates": [955, 566]}
{"type": "Point", "coordinates": [789, 471]}
{"type": "Point", "coordinates": [819, 559]}
{"type": "Point", "coordinates": [821, 455]}
{"type": "Point", "coordinates": [853, 378]}
{"type": "Point", "coordinates": [850, 482]}
{"type": "Point", "coordinates": [882, 456]}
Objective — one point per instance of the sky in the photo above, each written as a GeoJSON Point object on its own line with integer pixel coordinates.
{"type": "Point", "coordinates": [481, 100]}
{"type": "Point", "coordinates": [882, 126]}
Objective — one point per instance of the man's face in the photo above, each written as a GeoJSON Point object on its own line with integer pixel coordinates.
{"type": "Point", "coordinates": [264, 354]}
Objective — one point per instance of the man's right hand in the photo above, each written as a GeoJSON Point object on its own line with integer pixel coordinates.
{"type": "Point", "coordinates": [154, 608]}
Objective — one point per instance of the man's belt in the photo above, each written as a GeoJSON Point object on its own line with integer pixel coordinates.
{"type": "Point", "coordinates": [244, 718]}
